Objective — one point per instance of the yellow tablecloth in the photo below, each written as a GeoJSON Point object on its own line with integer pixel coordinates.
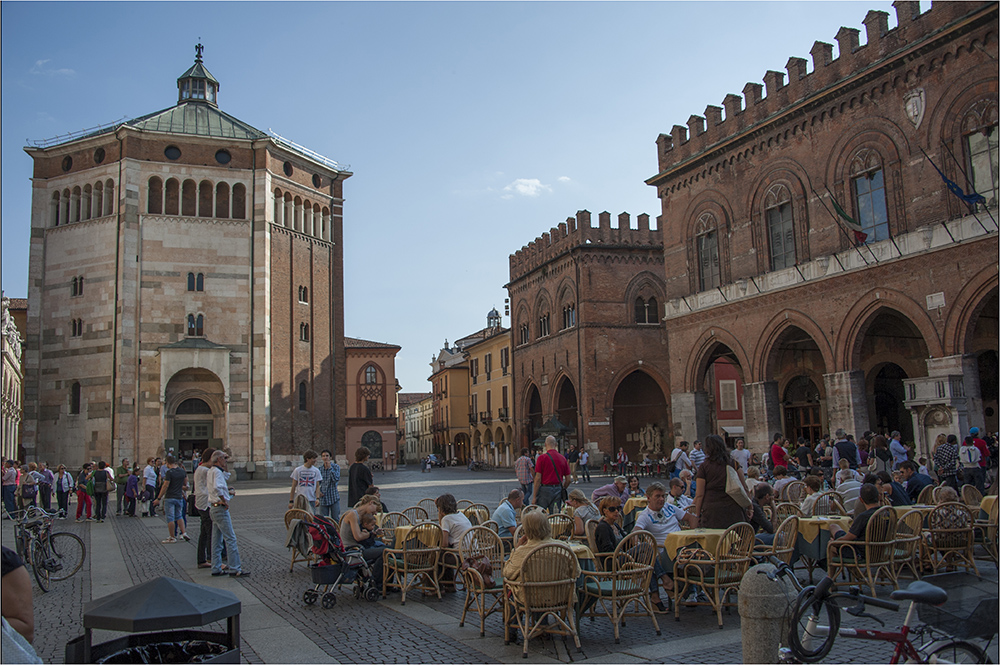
{"type": "Point", "coordinates": [431, 538]}
{"type": "Point", "coordinates": [581, 551]}
{"type": "Point", "coordinates": [986, 505]}
{"type": "Point", "coordinates": [634, 503]}
{"type": "Point", "coordinates": [707, 538]}
{"type": "Point", "coordinates": [925, 510]}
{"type": "Point", "coordinates": [810, 527]}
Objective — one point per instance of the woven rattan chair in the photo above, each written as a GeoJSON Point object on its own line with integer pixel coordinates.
{"type": "Point", "coordinates": [719, 576]}
{"type": "Point", "coordinates": [477, 513]}
{"type": "Point", "coordinates": [464, 503]}
{"type": "Point", "coordinates": [530, 508]}
{"type": "Point", "coordinates": [430, 507]}
{"type": "Point", "coordinates": [624, 582]}
{"type": "Point", "coordinates": [935, 493]}
{"type": "Point", "coordinates": [793, 492]}
{"type": "Point", "coordinates": [769, 513]}
{"type": "Point", "coordinates": [492, 526]}
{"type": "Point", "coordinates": [542, 598]}
{"type": "Point", "coordinates": [416, 514]}
{"type": "Point", "coordinates": [986, 534]}
{"type": "Point", "coordinates": [971, 497]}
{"type": "Point", "coordinates": [877, 547]}
{"type": "Point", "coordinates": [950, 539]}
{"type": "Point", "coordinates": [291, 515]}
{"type": "Point", "coordinates": [562, 526]}
{"type": "Point", "coordinates": [481, 542]}
{"type": "Point", "coordinates": [907, 551]}
{"type": "Point", "coordinates": [413, 564]}
{"type": "Point", "coordinates": [783, 545]}
{"type": "Point", "coordinates": [828, 503]}
{"type": "Point", "coordinates": [784, 509]}
{"type": "Point", "coordinates": [389, 523]}
{"type": "Point", "coordinates": [926, 496]}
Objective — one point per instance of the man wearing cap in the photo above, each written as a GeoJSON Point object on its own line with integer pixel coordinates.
{"type": "Point", "coordinates": [617, 488]}
{"type": "Point", "coordinates": [898, 450]}
{"type": "Point", "coordinates": [984, 450]}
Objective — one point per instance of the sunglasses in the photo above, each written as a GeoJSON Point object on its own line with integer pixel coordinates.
{"type": "Point", "coordinates": [613, 509]}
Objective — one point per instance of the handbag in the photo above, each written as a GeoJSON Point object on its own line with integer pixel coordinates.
{"type": "Point", "coordinates": [734, 488]}
{"type": "Point", "coordinates": [481, 564]}
{"type": "Point", "coordinates": [192, 508]}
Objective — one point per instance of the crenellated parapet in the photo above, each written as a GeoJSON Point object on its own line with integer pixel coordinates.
{"type": "Point", "coordinates": [580, 230]}
{"type": "Point", "coordinates": [778, 96]}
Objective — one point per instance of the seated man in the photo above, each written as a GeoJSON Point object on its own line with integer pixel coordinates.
{"type": "Point", "coordinates": [781, 478]}
{"type": "Point", "coordinates": [897, 495]}
{"type": "Point", "coordinates": [813, 486]}
{"type": "Point", "coordinates": [869, 498]}
{"type": "Point", "coordinates": [763, 495]}
{"type": "Point", "coordinates": [660, 519]}
{"type": "Point", "coordinates": [617, 489]}
{"type": "Point", "coordinates": [506, 513]}
{"type": "Point", "coordinates": [677, 497]}
{"type": "Point", "coordinates": [915, 481]}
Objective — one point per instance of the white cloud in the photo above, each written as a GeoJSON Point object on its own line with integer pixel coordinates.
{"type": "Point", "coordinates": [525, 187]}
{"type": "Point", "coordinates": [40, 68]}
{"type": "Point", "coordinates": [563, 178]}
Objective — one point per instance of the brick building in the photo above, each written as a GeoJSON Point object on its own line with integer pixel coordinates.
{"type": "Point", "coordinates": [490, 410]}
{"type": "Point", "coordinates": [185, 290]}
{"type": "Point", "coordinates": [818, 328]}
{"type": "Point", "coordinates": [371, 399]}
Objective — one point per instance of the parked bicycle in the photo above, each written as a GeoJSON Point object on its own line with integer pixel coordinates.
{"type": "Point", "coordinates": [481, 466]}
{"type": "Point", "coordinates": [52, 557]}
{"type": "Point", "coordinates": [814, 622]}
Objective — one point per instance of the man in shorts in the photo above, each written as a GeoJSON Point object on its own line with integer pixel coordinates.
{"type": "Point", "coordinates": [174, 488]}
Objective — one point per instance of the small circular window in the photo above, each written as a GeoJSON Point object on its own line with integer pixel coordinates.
{"type": "Point", "coordinates": [317, 181]}
{"type": "Point", "coordinates": [99, 155]}
{"type": "Point", "coordinates": [67, 163]}
{"type": "Point", "coordinates": [223, 157]}
{"type": "Point", "coordinates": [288, 169]}
{"type": "Point", "coordinates": [172, 152]}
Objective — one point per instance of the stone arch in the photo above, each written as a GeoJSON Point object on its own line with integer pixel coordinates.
{"type": "Point", "coordinates": [154, 196]}
{"type": "Point", "coordinates": [109, 196]}
{"type": "Point", "coordinates": [98, 199]}
{"type": "Point", "coordinates": [637, 398]}
{"type": "Point", "coordinates": [966, 308]}
{"type": "Point", "coordinates": [194, 383]}
{"type": "Point", "coordinates": [189, 198]}
{"type": "Point", "coordinates": [860, 317]}
{"type": "Point", "coordinates": [172, 197]}
{"type": "Point", "coordinates": [708, 349]}
{"type": "Point", "coordinates": [239, 208]}
{"type": "Point", "coordinates": [206, 192]}
{"type": "Point", "coordinates": [773, 331]}
{"type": "Point", "coordinates": [222, 200]}
{"type": "Point", "coordinates": [532, 410]}
{"type": "Point", "coordinates": [279, 207]}
{"type": "Point", "coordinates": [648, 287]}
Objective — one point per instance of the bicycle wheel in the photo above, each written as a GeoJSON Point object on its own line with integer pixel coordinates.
{"type": "Point", "coordinates": [68, 549]}
{"type": "Point", "coordinates": [809, 638]}
{"type": "Point", "coordinates": [38, 567]}
{"type": "Point", "coordinates": [957, 651]}
{"type": "Point", "coordinates": [21, 541]}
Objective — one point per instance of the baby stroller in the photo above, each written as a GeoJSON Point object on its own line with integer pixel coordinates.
{"type": "Point", "coordinates": [336, 566]}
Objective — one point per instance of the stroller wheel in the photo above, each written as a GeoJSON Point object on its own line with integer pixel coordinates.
{"type": "Point", "coordinates": [357, 592]}
{"type": "Point", "coordinates": [329, 600]}
{"type": "Point", "coordinates": [372, 594]}
{"type": "Point", "coordinates": [309, 596]}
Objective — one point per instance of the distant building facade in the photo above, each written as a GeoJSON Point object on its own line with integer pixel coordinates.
{"type": "Point", "coordinates": [490, 380]}
{"type": "Point", "coordinates": [185, 290]}
{"type": "Point", "coordinates": [12, 396]}
{"type": "Point", "coordinates": [371, 399]}
{"type": "Point", "coordinates": [416, 411]}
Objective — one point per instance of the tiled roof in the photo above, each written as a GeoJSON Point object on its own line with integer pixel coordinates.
{"type": "Point", "coordinates": [406, 399]}
{"type": "Point", "coordinates": [355, 343]}
{"type": "Point", "coordinates": [18, 303]}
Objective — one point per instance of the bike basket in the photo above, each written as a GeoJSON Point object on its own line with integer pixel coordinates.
{"type": "Point", "coordinates": [972, 610]}
{"type": "Point", "coordinates": [325, 574]}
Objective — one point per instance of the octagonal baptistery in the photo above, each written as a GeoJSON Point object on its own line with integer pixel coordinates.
{"type": "Point", "coordinates": [185, 291]}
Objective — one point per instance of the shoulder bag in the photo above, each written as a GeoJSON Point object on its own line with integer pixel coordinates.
{"type": "Point", "coordinates": [734, 487]}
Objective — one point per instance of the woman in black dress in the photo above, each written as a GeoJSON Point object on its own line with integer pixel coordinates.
{"type": "Point", "coordinates": [715, 508]}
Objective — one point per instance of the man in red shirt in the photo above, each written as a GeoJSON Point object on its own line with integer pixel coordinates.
{"type": "Point", "coordinates": [984, 450]}
{"type": "Point", "coordinates": [551, 477]}
{"type": "Point", "coordinates": [778, 456]}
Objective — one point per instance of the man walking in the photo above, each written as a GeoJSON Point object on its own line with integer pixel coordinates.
{"type": "Point", "coordinates": [551, 477]}
{"type": "Point", "coordinates": [222, 523]}
{"type": "Point", "coordinates": [174, 487]}
{"type": "Point", "coordinates": [573, 458]}
{"type": "Point", "coordinates": [697, 456]}
{"type": "Point", "coordinates": [742, 455]}
{"type": "Point", "coordinates": [525, 470]}
{"type": "Point", "coordinates": [45, 485]}
{"type": "Point", "coordinates": [970, 457]}
{"type": "Point", "coordinates": [306, 480]}
{"type": "Point", "coordinates": [201, 502]}
{"type": "Point", "coordinates": [584, 461]}
{"type": "Point", "coordinates": [122, 474]}
{"type": "Point", "coordinates": [329, 495]}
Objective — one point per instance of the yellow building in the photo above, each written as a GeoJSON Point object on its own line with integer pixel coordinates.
{"type": "Point", "coordinates": [490, 389]}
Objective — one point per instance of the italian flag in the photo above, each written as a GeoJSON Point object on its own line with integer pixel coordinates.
{"type": "Point", "coordinates": [859, 235]}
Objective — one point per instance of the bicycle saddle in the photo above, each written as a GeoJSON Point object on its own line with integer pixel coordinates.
{"type": "Point", "coordinates": [921, 592]}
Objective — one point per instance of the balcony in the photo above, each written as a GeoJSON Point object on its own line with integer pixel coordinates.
{"type": "Point", "coordinates": [486, 417]}
{"type": "Point", "coordinates": [503, 413]}
{"type": "Point", "coordinates": [473, 418]}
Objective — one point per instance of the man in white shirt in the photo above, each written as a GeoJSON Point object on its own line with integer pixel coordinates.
{"type": "Point", "coordinates": [201, 502]}
{"type": "Point", "coordinates": [742, 455]}
{"type": "Point", "coordinates": [222, 523]}
{"type": "Point", "coordinates": [306, 479]}
{"type": "Point", "coordinates": [898, 450]}
{"type": "Point", "coordinates": [680, 459]}
{"type": "Point", "coordinates": [660, 519]}
{"type": "Point", "coordinates": [584, 469]}
{"type": "Point", "coordinates": [677, 497]}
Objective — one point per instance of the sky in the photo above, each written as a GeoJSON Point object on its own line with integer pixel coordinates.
{"type": "Point", "coordinates": [471, 127]}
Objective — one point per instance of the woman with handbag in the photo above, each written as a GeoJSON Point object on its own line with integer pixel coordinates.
{"type": "Point", "coordinates": [63, 485]}
{"type": "Point", "coordinates": [103, 485]}
{"type": "Point", "coordinates": [715, 506]}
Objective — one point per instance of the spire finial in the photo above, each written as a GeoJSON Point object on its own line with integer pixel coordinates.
{"type": "Point", "coordinates": [197, 51]}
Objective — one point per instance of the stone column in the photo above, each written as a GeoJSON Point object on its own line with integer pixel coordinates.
{"type": "Point", "coordinates": [847, 405]}
{"type": "Point", "coordinates": [690, 413]}
{"type": "Point", "coordinates": [761, 414]}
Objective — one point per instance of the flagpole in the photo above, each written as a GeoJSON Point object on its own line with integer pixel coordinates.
{"type": "Point", "coordinates": [841, 227]}
{"type": "Point", "coordinates": [834, 199]}
{"type": "Point", "coordinates": [967, 180]}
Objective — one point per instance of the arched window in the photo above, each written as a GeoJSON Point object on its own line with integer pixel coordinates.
{"type": "Point", "coordinates": [303, 398]}
{"type": "Point", "coordinates": [222, 200]}
{"type": "Point", "coordinates": [189, 199]}
{"type": "Point", "coordinates": [190, 325]}
{"type": "Point", "coordinates": [76, 328]}
{"type": "Point", "coordinates": [303, 294]}
{"type": "Point", "coordinates": [86, 202]}
{"type": "Point", "coordinates": [75, 288]}
{"type": "Point", "coordinates": [205, 192]}
{"type": "Point", "coordinates": [239, 201]}
{"type": "Point", "coordinates": [646, 310]}
{"type": "Point", "coordinates": [99, 199]}
{"type": "Point", "coordinates": [200, 282]}
{"type": "Point", "coordinates": [524, 335]}
{"type": "Point", "coordinates": [304, 332]}
{"type": "Point", "coordinates": [979, 133]}
{"type": "Point", "coordinates": [109, 197]}
{"type": "Point", "coordinates": [193, 406]}
{"type": "Point", "coordinates": [199, 329]}
{"type": "Point", "coordinates": [191, 282]}
{"type": "Point", "coordinates": [569, 316]}
{"type": "Point", "coordinates": [707, 239]}
{"type": "Point", "coordinates": [544, 325]}
{"type": "Point", "coordinates": [371, 375]}
{"type": "Point", "coordinates": [54, 210]}
{"type": "Point", "coordinates": [75, 398]}
{"type": "Point", "coordinates": [171, 205]}
{"type": "Point", "coordinates": [780, 231]}
{"type": "Point", "coordinates": [868, 189]}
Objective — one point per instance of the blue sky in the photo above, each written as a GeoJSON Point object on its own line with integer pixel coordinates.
{"type": "Point", "coordinates": [471, 127]}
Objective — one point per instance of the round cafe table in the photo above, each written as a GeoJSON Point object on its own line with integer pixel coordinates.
{"type": "Point", "coordinates": [429, 538]}
{"type": "Point", "coordinates": [986, 505]}
{"type": "Point", "coordinates": [814, 534]}
{"type": "Point", "coordinates": [924, 509]}
{"type": "Point", "coordinates": [707, 538]}
{"type": "Point", "coordinates": [634, 503]}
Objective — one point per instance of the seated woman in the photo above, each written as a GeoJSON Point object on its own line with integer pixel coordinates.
{"type": "Point", "coordinates": [633, 487]}
{"type": "Point", "coordinates": [537, 532]}
{"type": "Point", "coordinates": [609, 534]}
{"type": "Point", "coordinates": [453, 527]}
{"type": "Point", "coordinates": [946, 495]}
{"type": "Point", "coordinates": [583, 510]}
{"type": "Point", "coordinates": [813, 486]}
{"type": "Point", "coordinates": [753, 478]}
{"type": "Point", "coordinates": [354, 534]}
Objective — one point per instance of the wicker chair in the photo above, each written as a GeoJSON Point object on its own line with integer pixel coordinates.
{"type": "Point", "coordinates": [986, 534]}
{"type": "Point", "coordinates": [305, 516]}
{"type": "Point", "coordinates": [464, 503]}
{"type": "Point", "coordinates": [413, 564]}
{"type": "Point", "coordinates": [477, 542]}
{"type": "Point", "coordinates": [783, 545]}
{"type": "Point", "coordinates": [599, 557]}
{"type": "Point", "coordinates": [544, 589]}
{"type": "Point", "coordinates": [786, 509]}
{"type": "Point", "coordinates": [415, 514]}
{"type": "Point", "coordinates": [530, 508]}
{"type": "Point", "coordinates": [878, 546]}
{"type": "Point", "coordinates": [624, 582]}
{"type": "Point", "coordinates": [562, 526]}
{"type": "Point", "coordinates": [926, 496]}
{"type": "Point", "coordinates": [793, 492]}
{"type": "Point", "coordinates": [492, 526]}
{"type": "Point", "coordinates": [477, 513]}
{"type": "Point", "coordinates": [950, 540]}
{"type": "Point", "coordinates": [935, 493]}
{"type": "Point", "coordinates": [389, 523]}
{"type": "Point", "coordinates": [907, 551]}
{"type": "Point", "coordinates": [430, 507]}
{"type": "Point", "coordinates": [828, 503]}
{"type": "Point", "coordinates": [721, 575]}
{"type": "Point", "coordinates": [972, 497]}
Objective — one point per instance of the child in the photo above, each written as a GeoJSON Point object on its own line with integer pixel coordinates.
{"type": "Point", "coordinates": [132, 491]}
{"type": "Point", "coordinates": [813, 486]}
{"type": "Point", "coordinates": [846, 473]}
{"type": "Point", "coordinates": [924, 468]}
{"type": "Point", "coordinates": [368, 523]}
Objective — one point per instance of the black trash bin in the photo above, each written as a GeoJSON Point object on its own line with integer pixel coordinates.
{"type": "Point", "coordinates": [162, 616]}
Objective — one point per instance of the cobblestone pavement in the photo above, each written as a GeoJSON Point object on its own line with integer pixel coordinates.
{"type": "Point", "coordinates": [278, 627]}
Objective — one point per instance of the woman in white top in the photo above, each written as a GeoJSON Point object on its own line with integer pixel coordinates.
{"type": "Point", "coordinates": [453, 527]}
{"type": "Point", "coordinates": [583, 510]}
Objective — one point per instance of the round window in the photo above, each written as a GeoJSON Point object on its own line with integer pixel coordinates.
{"type": "Point", "coordinates": [288, 169]}
{"type": "Point", "coordinates": [223, 157]}
{"type": "Point", "coordinates": [317, 181]}
{"type": "Point", "coordinates": [67, 163]}
{"type": "Point", "coordinates": [172, 152]}
{"type": "Point", "coordinates": [99, 155]}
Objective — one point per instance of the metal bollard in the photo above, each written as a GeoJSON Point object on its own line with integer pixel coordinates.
{"type": "Point", "coordinates": [762, 606]}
